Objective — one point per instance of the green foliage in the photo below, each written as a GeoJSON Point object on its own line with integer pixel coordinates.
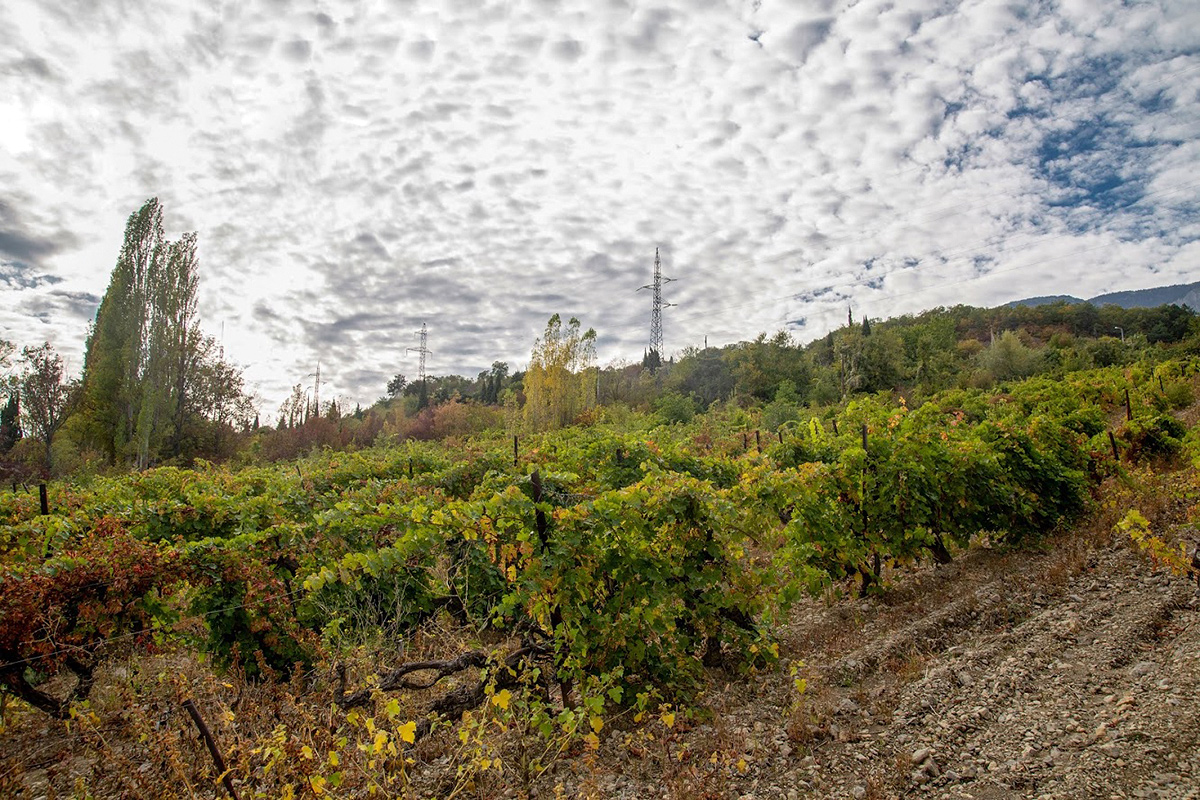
{"type": "Point", "coordinates": [560, 382]}
{"type": "Point", "coordinates": [642, 552]}
{"type": "Point", "coordinates": [153, 384]}
{"type": "Point", "coordinates": [10, 422]}
{"type": "Point", "coordinates": [1157, 436]}
{"type": "Point", "coordinates": [675, 408]}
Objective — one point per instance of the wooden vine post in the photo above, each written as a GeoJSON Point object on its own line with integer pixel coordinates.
{"type": "Point", "coordinates": [213, 750]}
{"type": "Point", "coordinates": [44, 499]}
{"type": "Point", "coordinates": [543, 530]}
{"type": "Point", "coordinates": [870, 573]}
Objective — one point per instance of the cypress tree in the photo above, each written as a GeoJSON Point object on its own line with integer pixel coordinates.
{"type": "Point", "coordinates": [10, 422]}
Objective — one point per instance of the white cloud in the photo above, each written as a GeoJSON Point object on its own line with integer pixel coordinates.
{"type": "Point", "coordinates": [356, 169]}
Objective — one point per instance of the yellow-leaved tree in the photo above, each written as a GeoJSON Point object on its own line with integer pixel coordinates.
{"type": "Point", "coordinates": [561, 379]}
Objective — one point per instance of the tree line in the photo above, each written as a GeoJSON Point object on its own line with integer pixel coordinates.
{"type": "Point", "coordinates": [914, 355]}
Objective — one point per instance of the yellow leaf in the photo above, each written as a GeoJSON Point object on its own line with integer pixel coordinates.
{"type": "Point", "coordinates": [381, 738]}
{"type": "Point", "coordinates": [741, 766]}
{"type": "Point", "coordinates": [333, 758]}
{"type": "Point", "coordinates": [306, 751]}
{"type": "Point", "coordinates": [370, 724]}
{"type": "Point", "coordinates": [502, 698]}
{"type": "Point", "coordinates": [597, 724]}
{"type": "Point", "coordinates": [485, 763]}
{"type": "Point", "coordinates": [592, 741]}
{"type": "Point", "coordinates": [408, 732]}
{"type": "Point", "coordinates": [392, 708]}
{"type": "Point", "coordinates": [317, 783]}
{"type": "Point", "coordinates": [288, 793]}
{"type": "Point", "coordinates": [668, 719]}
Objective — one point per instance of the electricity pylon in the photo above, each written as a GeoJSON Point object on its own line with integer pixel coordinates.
{"type": "Point", "coordinates": [657, 305]}
{"type": "Point", "coordinates": [423, 350]}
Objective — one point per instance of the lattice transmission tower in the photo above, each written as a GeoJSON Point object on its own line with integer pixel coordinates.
{"type": "Point", "coordinates": [657, 305]}
{"type": "Point", "coordinates": [316, 390]}
{"type": "Point", "coordinates": [422, 350]}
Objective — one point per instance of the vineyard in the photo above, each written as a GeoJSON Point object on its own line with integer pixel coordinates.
{"type": "Point", "coordinates": [457, 618]}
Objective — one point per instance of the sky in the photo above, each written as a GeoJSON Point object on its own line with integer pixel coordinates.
{"type": "Point", "coordinates": [357, 169]}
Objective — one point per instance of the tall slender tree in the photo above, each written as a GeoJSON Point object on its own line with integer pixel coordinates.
{"type": "Point", "coordinates": [116, 350]}
{"type": "Point", "coordinates": [10, 415]}
{"type": "Point", "coordinates": [10, 421]}
{"type": "Point", "coordinates": [146, 357]}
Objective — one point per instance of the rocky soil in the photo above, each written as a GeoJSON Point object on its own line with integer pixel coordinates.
{"type": "Point", "coordinates": [1073, 672]}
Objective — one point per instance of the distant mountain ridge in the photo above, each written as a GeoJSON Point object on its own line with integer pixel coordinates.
{"type": "Point", "coordinates": [1182, 294]}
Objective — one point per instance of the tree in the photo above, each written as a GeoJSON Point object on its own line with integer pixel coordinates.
{"type": "Point", "coordinates": [396, 385]}
{"type": "Point", "coordinates": [10, 415]}
{"type": "Point", "coordinates": [46, 396]}
{"type": "Point", "coordinates": [492, 383]}
{"type": "Point", "coordinates": [291, 413]}
{"type": "Point", "coordinates": [146, 358]}
{"type": "Point", "coordinates": [115, 355]}
{"type": "Point", "coordinates": [703, 374]}
{"type": "Point", "coordinates": [10, 421]}
{"type": "Point", "coordinates": [560, 379]}
{"type": "Point", "coordinates": [1008, 357]}
{"type": "Point", "coordinates": [651, 360]}
{"type": "Point", "coordinates": [760, 365]}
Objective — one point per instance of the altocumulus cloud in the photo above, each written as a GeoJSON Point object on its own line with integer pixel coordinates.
{"type": "Point", "coordinates": [355, 170]}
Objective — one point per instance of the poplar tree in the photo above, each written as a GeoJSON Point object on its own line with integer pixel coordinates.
{"type": "Point", "coordinates": [149, 373]}
{"type": "Point", "coordinates": [115, 359]}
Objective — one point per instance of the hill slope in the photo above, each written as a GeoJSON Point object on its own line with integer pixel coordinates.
{"type": "Point", "coordinates": [1183, 294]}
